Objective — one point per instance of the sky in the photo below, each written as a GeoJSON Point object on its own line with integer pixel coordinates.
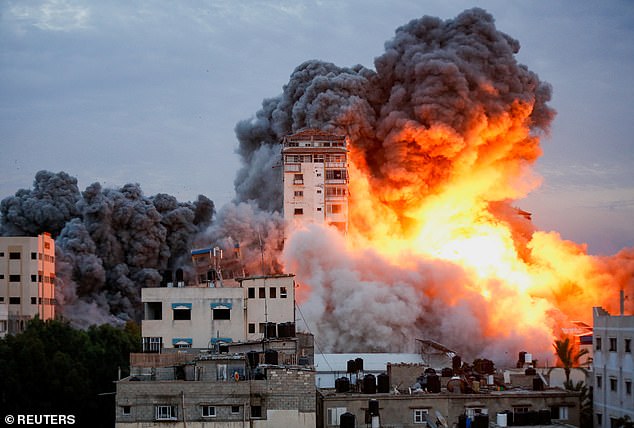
{"type": "Point", "coordinates": [149, 92]}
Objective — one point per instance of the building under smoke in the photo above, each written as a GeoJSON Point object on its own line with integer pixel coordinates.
{"type": "Point", "coordinates": [315, 178]}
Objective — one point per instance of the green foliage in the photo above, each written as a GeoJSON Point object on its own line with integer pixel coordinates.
{"type": "Point", "coordinates": [52, 368]}
{"type": "Point", "coordinates": [568, 355]}
{"type": "Point", "coordinates": [586, 412]}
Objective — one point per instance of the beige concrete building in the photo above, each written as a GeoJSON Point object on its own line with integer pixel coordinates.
{"type": "Point", "coordinates": [217, 313]}
{"type": "Point", "coordinates": [27, 281]}
{"type": "Point", "coordinates": [315, 178]}
{"type": "Point", "coordinates": [612, 367]}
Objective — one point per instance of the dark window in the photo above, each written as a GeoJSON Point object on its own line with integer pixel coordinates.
{"type": "Point", "coordinates": [251, 327]}
{"type": "Point", "coordinates": [251, 293]}
{"type": "Point", "coordinates": [612, 384]}
{"type": "Point", "coordinates": [298, 211]}
{"type": "Point", "coordinates": [1, 254]}
{"type": "Point", "coordinates": [222, 314]}
{"type": "Point", "coordinates": [14, 256]}
{"type": "Point", "coordinates": [598, 343]}
{"type": "Point", "coordinates": [272, 292]}
{"type": "Point", "coordinates": [235, 409]}
{"type": "Point", "coordinates": [34, 300]}
{"type": "Point", "coordinates": [14, 278]}
{"type": "Point", "coordinates": [33, 278]}
{"type": "Point", "coordinates": [14, 300]}
{"type": "Point", "coordinates": [256, 411]}
{"type": "Point", "coordinates": [1, 276]}
{"type": "Point", "coordinates": [283, 293]}
{"type": "Point", "coordinates": [262, 293]}
{"type": "Point", "coordinates": [182, 314]}
{"type": "Point", "coordinates": [628, 345]}
{"type": "Point", "coordinates": [612, 344]}
{"type": "Point", "coordinates": [262, 328]}
{"type": "Point", "coordinates": [298, 179]}
{"type": "Point", "coordinates": [599, 382]}
{"type": "Point", "coordinates": [628, 387]}
{"type": "Point", "coordinates": [33, 256]}
{"type": "Point", "coordinates": [208, 411]}
{"type": "Point", "coordinates": [599, 419]}
{"type": "Point", "coordinates": [126, 410]}
{"type": "Point", "coordinates": [153, 310]}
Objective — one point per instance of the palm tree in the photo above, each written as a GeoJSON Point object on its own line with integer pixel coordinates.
{"type": "Point", "coordinates": [568, 354]}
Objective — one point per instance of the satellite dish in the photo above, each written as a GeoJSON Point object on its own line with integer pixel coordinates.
{"type": "Point", "coordinates": [431, 423]}
{"type": "Point", "coordinates": [441, 419]}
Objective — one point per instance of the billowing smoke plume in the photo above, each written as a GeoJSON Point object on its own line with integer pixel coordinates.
{"type": "Point", "coordinates": [442, 135]}
{"type": "Point", "coordinates": [109, 242]}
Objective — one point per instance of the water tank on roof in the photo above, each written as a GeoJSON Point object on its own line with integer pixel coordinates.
{"type": "Point", "coordinates": [480, 421]}
{"type": "Point", "coordinates": [429, 370]}
{"type": "Point", "coordinates": [446, 372]}
{"type": "Point", "coordinates": [347, 420]}
{"type": "Point", "coordinates": [544, 417]}
{"type": "Point", "coordinates": [501, 419]}
{"type": "Point", "coordinates": [358, 362]}
{"type": "Point", "coordinates": [270, 357]}
{"type": "Point", "coordinates": [433, 383]}
{"type": "Point", "coordinates": [538, 384]}
{"type": "Point", "coordinates": [369, 384]}
{"type": "Point", "coordinates": [383, 383]}
{"type": "Point", "coordinates": [271, 330]}
{"type": "Point", "coordinates": [342, 384]}
{"type": "Point", "coordinates": [351, 367]}
{"type": "Point", "coordinates": [456, 363]}
{"type": "Point", "coordinates": [530, 371]}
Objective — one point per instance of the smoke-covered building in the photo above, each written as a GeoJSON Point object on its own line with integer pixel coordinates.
{"type": "Point", "coordinates": [315, 178]}
{"type": "Point", "coordinates": [613, 366]}
{"type": "Point", "coordinates": [27, 277]}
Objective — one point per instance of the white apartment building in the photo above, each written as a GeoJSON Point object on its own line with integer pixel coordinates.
{"type": "Point", "coordinates": [613, 367]}
{"type": "Point", "coordinates": [315, 178]}
{"type": "Point", "coordinates": [27, 281]}
{"type": "Point", "coordinates": [217, 313]}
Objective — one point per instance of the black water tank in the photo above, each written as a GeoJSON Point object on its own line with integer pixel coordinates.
{"type": "Point", "coordinates": [433, 383]}
{"type": "Point", "coordinates": [373, 407]}
{"type": "Point", "coordinates": [456, 363]}
{"type": "Point", "coordinates": [462, 421]}
{"type": "Point", "coordinates": [351, 367]}
{"type": "Point", "coordinates": [270, 357]}
{"type": "Point", "coordinates": [429, 371]}
{"type": "Point", "coordinates": [179, 275]}
{"type": "Point", "coordinates": [530, 371]}
{"type": "Point", "coordinates": [347, 420]}
{"type": "Point", "coordinates": [522, 357]}
{"type": "Point", "coordinates": [538, 384]}
{"type": "Point", "coordinates": [271, 330]}
{"type": "Point", "coordinates": [358, 363]}
{"type": "Point", "coordinates": [253, 357]}
{"type": "Point", "coordinates": [383, 383]}
{"type": "Point", "coordinates": [167, 278]}
{"type": "Point", "coordinates": [446, 372]}
{"type": "Point", "coordinates": [342, 384]}
{"type": "Point", "coordinates": [480, 421]}
{"type": "Point", "coordinates": [369, 384]}
{"type": "Point", "coordinates": [520, 419]}
{"type": "Point", "coordinates": [532, 417]}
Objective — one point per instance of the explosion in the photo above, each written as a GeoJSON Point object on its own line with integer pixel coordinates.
{"type": "Point", "coordinates": [442, 137]}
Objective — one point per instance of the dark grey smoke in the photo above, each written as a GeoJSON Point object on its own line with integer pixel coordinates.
{"type": "Point", "coordinates": [110, 242]}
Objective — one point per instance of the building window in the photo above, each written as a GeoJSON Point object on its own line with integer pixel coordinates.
{"type": "Point", "coordinates": [319, 191]}
{"type": "Point", "coordinates": [613, 384]}
{"type": "Point", "coordinates": [256, 411]}
{"type": "Point", "coordinates": [262, 328]}
{"type": "Point", "coordinates": [182, 314]}
{"type": "Point", "coordinates": [165, 413]}
{"type": "Point", "coordinates": [14, 300]}
{"type": "Point", "coordinates": [334, 209]}
{"type": "Point", "coordinates": [14, 278]}
{"type": "Point", "coordinates": [299, 193]}
{"type": "Point", "coordinates": [599, 382]}
{"type": "Point", "coordinates": [222, 314]}
{"type": "Point", "coordinates": [235, 410]}
{"type": "Point", "coordinates": [612, 344]}
{"type": "Point", "coordinates": [628, 345]}
{"type": "Point", "coordinates": [471, 412]}
{"type": "Point", "coordinates": [251, 328]}
{"type": "Point", "coordinates": [221, 372]}
{"type": "Point", "coordinates": [334, 414]}
{"type": "Point", "coordinates": [598, 344]}
{"type": "Point", "coordinates": [420, 416]}
{"type": "Point", "coordinates": [298, 179]}
{"type": "Point", "coordinates": [33, 278]}
{"type": "Point", "coordinates": [335, 174]}
{"type": "Point", "coordinates": [33, 256]}
{"type": "Point", "coordinates": [251, 293]}
{"type": "Point", "coordinates": [152, 344]}
{"type": "Point", "coordinates": [14, 255]}
{"type": "Point", "coordinates": [3, 326]}
{"type": "Point", "coordinates": [34, 300]}
{"type": "Point", "coordinates": [208, 411]}
{"type": "Point", "coordinates": [153, 310]}
{"type": "Point", "coordinates": [599, 419]}
{"type": "Point", "coordinates": [262, 293]}
{"type": "Point", "coordinates": [272, 292]}
{"type": "Point", "coordinates": [47, 245]}
{"type": "Point", "coordinates": [628, 387]}
{"type": "Point", "coordinates": [559, 412]}
{"type": "Point", "coordinates": [1, 276]}
{"type": "Point", "coordinates": [283, 293]}
{"type": "Point", "coordinates": [126, 410]}
{"type": "Point", "coordinates": [1, 253]}
{"type": "Point", "coordinates": [298, 211]}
